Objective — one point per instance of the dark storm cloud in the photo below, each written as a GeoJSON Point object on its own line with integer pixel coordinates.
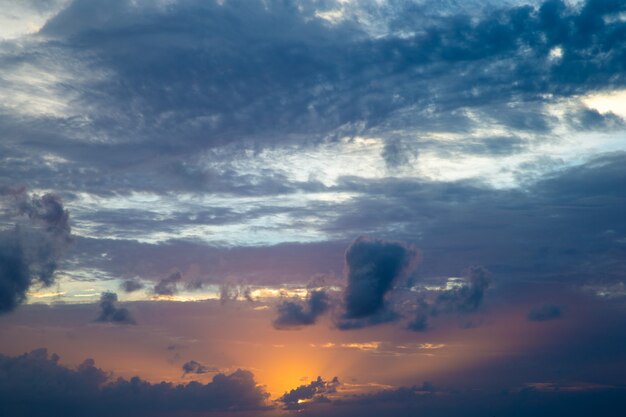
{"type": "Point", "coordinates": [374, 265]}
{"type": "Point", "coordinates": [315, 391]}
{"type": "Point", "coordinates": [169, 285]}
{"type": "Point", "coordinates": [112, 314]}
{"type": "Point", "coordinates": [179, 80]}
{"type": "Point", "coordinates": [293, 314]}
{"type": "Point", "coordinates": [194, 367]}
{"type": "Point", "coordinates": [34, 233]}
{"type": "Point", "coordinates": [34, 384]}
{"type": "Point", "coordinates": [544, 313]}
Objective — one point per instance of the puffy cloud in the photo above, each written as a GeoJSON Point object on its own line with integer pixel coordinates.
{"type": "Point", "coordinates": [584, 118]}
{"type": "Point", "coordinates": [466, 298]}
{"type": "Point", "coordinates": [131, 285]}
{"type": "Point", "coordinates": [168, 286]}
{"type": "Point", "coordinates": [293, 314]}
{"type": "Point", "coordinates": [373, 265]}
{"type": "Point", "coordinates": [544, 313]}
{"type": "Point", "coordinates": [34, 233]}
{"type": "Point", "coordinates": [112, 314]}
{"type": "Point", "coordinates": [38, 377]}
{"type": "Point", "coordinates": [315, 391]}
{"type": "Point", "coordinates": [35, 384]}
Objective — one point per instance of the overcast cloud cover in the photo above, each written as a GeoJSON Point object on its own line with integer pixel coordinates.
{"type": "Point", "coordinates": [344, 189]}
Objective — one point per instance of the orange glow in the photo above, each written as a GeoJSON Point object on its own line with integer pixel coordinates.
{"type": "Point", "coordinates": [286, 368]}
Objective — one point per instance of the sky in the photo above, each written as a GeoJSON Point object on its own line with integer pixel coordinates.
{"type": "Point", "coordinates": [312, 207]}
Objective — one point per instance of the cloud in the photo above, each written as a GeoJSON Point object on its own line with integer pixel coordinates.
{"type": "Point", "coordinates": [466, 298]}
{"type": "Point", "coordinates": [315, 391]}
{"type": "Point", "coordinates": [37, 376]}
{"type": "Point", "coordinates": [373, 266]}
{"type": "Point", "coordinates": [584, 118]}
{"type": "Point", "coordinates": [293, 314]}
{"type": "Point", "coordinates": [35, 384]}
{"type": "Point", "coordinates": [541, 229]}
{"type": "Point", "coordinates": [110, 313]}
{"type": "Point", "coordinates": [428, 401]}
{"type": "Point", "coordinates": [233, 292]}
{"type": "Point", "coordinates": [131, 285]}
{"type": "Point", "coordinates": [544, 313]}
{"type": "Point", "coordinates": [193, 367]}
{"type": "Point", "coordinates": [168, 286]}
{"type": "Point", "coordinates": [463, 298]}
{"type": "Point", "coordinates": [498, 61]}
{"type": "Point", "coordinates": [34, 234]}
{"type": "Point", "coordinates": [420, 319]}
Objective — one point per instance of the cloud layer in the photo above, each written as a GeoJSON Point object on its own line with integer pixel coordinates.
{"type": "Point", "coordinates": [35, 384]}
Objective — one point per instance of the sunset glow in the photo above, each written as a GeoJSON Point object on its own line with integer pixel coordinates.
{"type": "Point", "coordinates": [337, 208]}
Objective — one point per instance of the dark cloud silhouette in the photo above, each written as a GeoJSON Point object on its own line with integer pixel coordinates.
{"type": "Point", "coordinates": [194, 367]}
{"type": "Point", "coordinates": [544, 313]}
{"type": "Point", "coordinates": [34, 233]}
{"type": "Point", "coordinates": [169, 285]}
{"type": "Point", "coordinates": [112, 314]}
{"type": "Point", "coordinates": [131, 285]}
{"type": "Point", "coordinates": [35, 384]}
{"type": "Point", "coordinates": [15, 276]}
{"type": "Point", "coordinates": [315, 391]}
{"type": "Point", "coordinates": [37, 377]}
{"type": "Point", "coordinates": [373, 266]}
{"type": "Point", "coordinates": [293, 314]}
